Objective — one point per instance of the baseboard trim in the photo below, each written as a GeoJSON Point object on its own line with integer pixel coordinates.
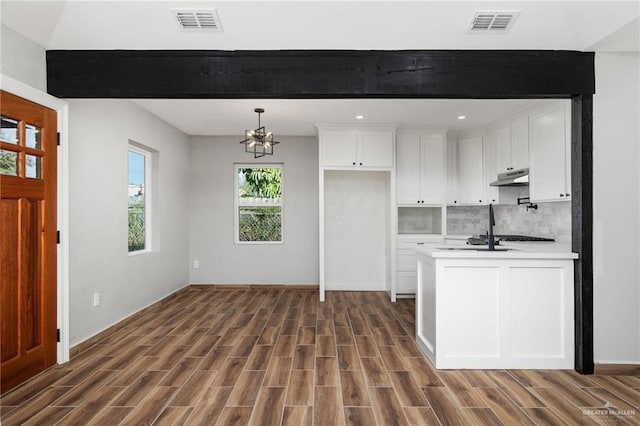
{"type": "Point", "coordinates": [222, 287]}
{"type": "Point", "coordinates": [618, 369]}
{"type": "Point", "coordinates": [109, 331]}
{"type": "Point", "coordinates": [85, 345]}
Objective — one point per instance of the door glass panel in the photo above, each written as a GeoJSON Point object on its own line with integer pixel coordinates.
{"type": "Point", "coordinates": [33, 134]}
{"type": "Point", "coordinates": [34, 167]}
{"type": "Point", "coordinates": [8, 130]}
{"type": "Point", "coordinates": [8, 163]}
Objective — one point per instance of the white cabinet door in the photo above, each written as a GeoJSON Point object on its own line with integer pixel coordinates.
{"type": "Point", "coordinates": [548, 151]}
{"type": "Point", "coordinates": [339, 147]}
{"type": "Point", "coordinates": [470, 188]}
{"type": "Point", "coordinates": [406, 283]}
{"type": "Point", "coordinates": [490, 169]}
{"type": "Point", "coordinates": [432, 180]}
{"type": "Point", "coordinates": [502, 137]}
{"type": "Point", "coordinates": [512, 145]}
{"type": "Point", "coordinates": [408, 169]}
{"type": "Point", "coordinates": [520, 143]}
{"type": "Point", "coordinates": [375, 149]}
{"type": "Point", "coordinates": [452, 171]}
{"type": "Point", "coordinates": [567, 151]}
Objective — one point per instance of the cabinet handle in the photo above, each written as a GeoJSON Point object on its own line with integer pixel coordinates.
{"type": "Point", "coordinates": [562, 195]}
{"type": "Point", "coordinates": [567, 195]}
{"type": "Point", "coordinates": [354, 163]}
{"type": "Point", "coordinates": [455, 201]}
{"type": "Point", "coordinates": [509, 168]}
{"type": "Point", "coordinates": [361, 164]}
{"type": "Point", "coordinates": [479, 201]}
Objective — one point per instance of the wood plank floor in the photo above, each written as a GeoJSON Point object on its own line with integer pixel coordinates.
{"type": "Point", "coordinates": [271, 357]}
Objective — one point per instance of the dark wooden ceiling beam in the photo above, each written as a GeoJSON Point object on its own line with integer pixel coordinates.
{"type": "Point", "coordinates": [318, 74]}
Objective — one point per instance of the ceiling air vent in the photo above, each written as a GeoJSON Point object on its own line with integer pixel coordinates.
{"type": "Point", "coordinates": [198, 19]}
{"type": "Point", "coordinates": [493, 22]}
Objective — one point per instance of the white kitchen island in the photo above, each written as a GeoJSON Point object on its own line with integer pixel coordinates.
{"type": "Point", "coordinates": [496, 310]}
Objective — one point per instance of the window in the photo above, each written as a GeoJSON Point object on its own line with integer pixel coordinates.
{"type": "Point", "coordinates": [258, 201]}
{"type": "Point", "coordinates": [138, 195]}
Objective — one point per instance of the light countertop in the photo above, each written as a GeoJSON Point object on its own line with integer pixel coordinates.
{"type": "Point", "coordinates": [457, 249]}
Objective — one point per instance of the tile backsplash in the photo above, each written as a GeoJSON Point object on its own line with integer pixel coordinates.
{"type": "Point", "coordinates": [549, 220]}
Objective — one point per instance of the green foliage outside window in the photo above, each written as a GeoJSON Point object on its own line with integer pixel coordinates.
{"type": "Point", "coordinates": [8, 165]}
{"type": "Point", "coordinates": [258, 218]}
{"type": "Point", "coordinates": [137, 237]}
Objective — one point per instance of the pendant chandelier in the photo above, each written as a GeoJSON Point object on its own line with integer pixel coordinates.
{"type": "Point", "coordinates": [259, 141]}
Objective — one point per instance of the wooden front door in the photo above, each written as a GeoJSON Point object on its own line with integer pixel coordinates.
{"type": "Point", "coordinates": [27, 238]}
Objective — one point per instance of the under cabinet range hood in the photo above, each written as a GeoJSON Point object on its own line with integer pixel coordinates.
{"type": "Point", "coordinates": [513, 178]}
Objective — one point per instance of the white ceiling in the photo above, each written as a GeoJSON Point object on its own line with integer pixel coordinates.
{"type": "Point", "coordinates": [360, 24]}
{"type": "Point", "coordinates": [299, 117]}
{"type": "Point", "coordinates": [92, 24]}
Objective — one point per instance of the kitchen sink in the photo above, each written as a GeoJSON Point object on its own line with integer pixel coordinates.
{"type": "Point", "coordinates": [475, 248]}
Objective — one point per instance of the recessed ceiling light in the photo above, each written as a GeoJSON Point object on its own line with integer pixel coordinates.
{"type": "Point", "coordinates": [359, 117]}
{"type": "Point", "coordinates": [462, 117]}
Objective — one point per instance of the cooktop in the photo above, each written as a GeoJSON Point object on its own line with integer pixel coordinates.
{"type": "Point", "coordinates": [482, 239]}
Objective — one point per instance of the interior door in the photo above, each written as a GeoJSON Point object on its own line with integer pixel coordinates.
{"type": "Point", "coordinates": [27, 239]}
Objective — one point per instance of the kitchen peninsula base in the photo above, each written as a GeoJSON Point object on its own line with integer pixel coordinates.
{"type": "Point", "coordinates": [495, 310]}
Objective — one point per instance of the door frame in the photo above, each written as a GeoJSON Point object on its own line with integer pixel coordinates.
{"type": "Point", "coordinates": [61, 107]}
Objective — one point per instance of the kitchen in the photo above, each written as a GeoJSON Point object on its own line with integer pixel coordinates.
{"type": "Point", "coordinates": [444, 183]}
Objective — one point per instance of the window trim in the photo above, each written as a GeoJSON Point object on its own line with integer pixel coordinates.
{"type": "Point", "coordinates": [147, 154]}
{"type": "Point", "coordinates": [236, 202]}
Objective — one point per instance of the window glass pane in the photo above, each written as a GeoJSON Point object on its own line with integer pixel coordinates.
{"type": "Point", "coordinates": [33, 167]}
{"type": "Point", "coordinates": [8, 163]}
{"type": "Point", "coordinates": [137, 205]}
{"type": "Point", "coordinates": [8, 130]}
{"type": "Point", "coordinates": [260, 223]}
{"type": "Point", "coordinates": [260, 185]}
{"type": "Point", "coordinates": [33, 135]}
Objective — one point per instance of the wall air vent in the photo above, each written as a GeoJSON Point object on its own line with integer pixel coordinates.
{"type": "Point", "coordinates": [496, 22]}
{"type": "Point", "coordinates": [198, 19]}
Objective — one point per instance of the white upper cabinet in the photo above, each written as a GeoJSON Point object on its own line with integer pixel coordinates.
{"type": "Point", "coordinates": [470, 177]}
{"type": "Point", "coordinates": [356, 148]}
{"type": "Point", "coordinates": [490, 168]}
{"type": "Point", "coordinates": [452, 171]}
{"type": "Point", "coordinates": [550, 167]}
{"type": "Point", "coordinates": [375, 148]}
{"type": "Point", "coordinates": [408, 163]}
{"type": "Point", "coordinates": [338, 147]}
{"type": "Point", "coordinates": [520, 143]}
{"type": "Point", "coordinates": [512, 145]}
{"type": "Point", "coordinates": [502, 141]}
{"type": "Point", "coordinates": [420, 169]}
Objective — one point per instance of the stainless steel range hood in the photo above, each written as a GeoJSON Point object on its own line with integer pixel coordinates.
{"type": "Point", "coordinates": [513, 178]}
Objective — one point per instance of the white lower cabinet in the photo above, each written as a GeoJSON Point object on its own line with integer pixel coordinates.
{"type": "Point", "coordinates": [495, 313]}
{"type": "Point", "coordinates": [407, 262]}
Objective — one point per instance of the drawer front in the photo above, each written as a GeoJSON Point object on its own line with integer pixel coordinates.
{"type": "Point", "coordinates": [407, 260]}
{"type": "Point", "coordinates": [409, 245]}
{"type": "Point", "coordinates": [406, 283]}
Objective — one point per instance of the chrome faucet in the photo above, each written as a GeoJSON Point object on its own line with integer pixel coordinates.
{"type": "Point", "coordinates": [492, 223]}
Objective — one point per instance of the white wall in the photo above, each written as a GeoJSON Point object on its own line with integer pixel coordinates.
{"type": "Point", "coordinates": [99, 262]}
{"type": "Point", "coordinates": [616, 160]}
{"type": "Point", "coordinates": [356, 216]}
{"type": "Point", "coordinates": [22, 59]}
{"type": "Point", "coordinates": [211, 215]}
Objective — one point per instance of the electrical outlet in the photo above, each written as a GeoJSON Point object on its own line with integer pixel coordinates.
{"type": "Point", "coordinates": [196, 264]}
{"type": "Point", "coordinates": [96, 299]}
